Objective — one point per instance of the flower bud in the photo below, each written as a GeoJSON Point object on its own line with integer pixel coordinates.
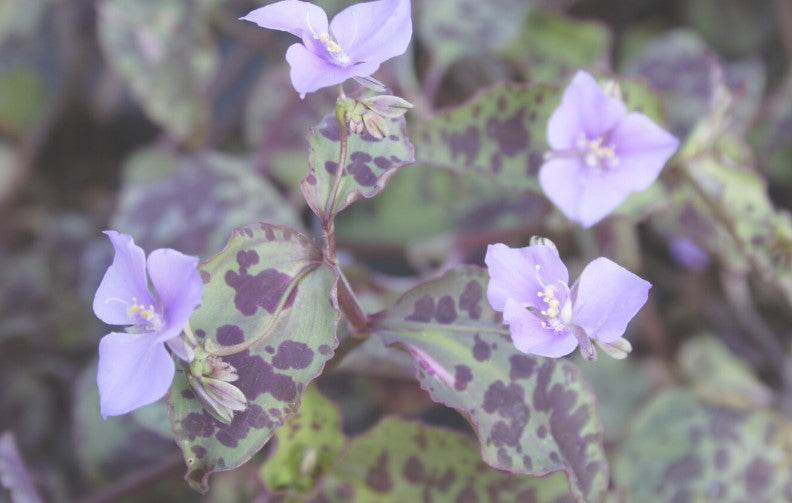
{"type": "Point", "coordinates": [375, 125]}
{"type": "Point", "coordinates": [387, 106]}
{"type": "Point", "coordinates": [372, 83]}
{"type": "Point", "coordinates": [612, 88]}
{"type": "Point", "coordinates": [543, 241]}
{"type": "Point", "coordinates": [210, 379]}
{"type": "Point", "coordinates": [618, 349]}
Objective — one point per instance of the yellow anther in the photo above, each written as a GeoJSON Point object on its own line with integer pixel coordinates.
{"type": "Point", "coordinates": [330, 44]}
{"type": "Point", "coordinates": [602, 152]}
{"type": "Point", "coordinates": [134, 309]}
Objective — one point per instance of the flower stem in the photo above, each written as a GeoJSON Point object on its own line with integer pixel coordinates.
{"type": "Point", "coordinates": [340, 113]}
{"type": "Point", "coordinates": [215, 349]}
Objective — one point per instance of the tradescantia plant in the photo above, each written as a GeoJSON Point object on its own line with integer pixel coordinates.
{"type": "Point", "coordinates": [237, 346]}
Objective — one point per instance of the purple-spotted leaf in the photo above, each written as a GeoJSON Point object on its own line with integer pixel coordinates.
{"type": "Point", "coordinates": [684, 449]}
{"type": "Point", "coordinates": [532, 415]}
{"type": "Point", "coordinates": [164, 52]}
{"type": "Point", "coordinates": [684, 71]}
{"type": "Point", "coordinates": [369, 165]}
{"type": "Point", "coordinates": [269, 286]}
{"type": "Point", "coordinates": [400, 461]}
{"type": "Point", "coordinates": [500, 133]}
{"type": "Point", "coordinates": [192, 203]}
{"type": "Point", "coordinates": [307, 445]}
{"type": "Point", "coordinates": [453, 29]}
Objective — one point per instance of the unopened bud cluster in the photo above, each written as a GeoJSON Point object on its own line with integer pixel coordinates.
{"type": "Point", "coordinates": [210, 379]}
{"type": "Point", "coordinates": [371, 114]}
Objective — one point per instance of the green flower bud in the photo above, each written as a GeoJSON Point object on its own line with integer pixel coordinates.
{"type": "Point", "coordinates": [375, 125]}
{"type": "Point", "coordinates": [387, 106]}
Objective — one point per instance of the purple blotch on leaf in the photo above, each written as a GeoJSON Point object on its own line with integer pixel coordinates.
{"type": "Point", "coordinates": [445, 312]}
{"type": "Point", "coordinates": [292, 354]}
{"type": "Point", "coordinates": [264, 290]}
{"type": "Point", "coordinates": [423, 310]}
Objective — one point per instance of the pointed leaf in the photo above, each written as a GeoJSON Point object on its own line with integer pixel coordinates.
{"type": "Point", "coordinates": [307, 445]}
{"type": "Point", "coordinates": [532, 415]}
{"type": "Point", "coordinates": [192, 203]}
{"type": "Point", "coordinates": [369, 165]}
{"type": "Point", "coordinates": [164, 51]}
{"type": "Point", "coordinates": [500, 133]}
{"type": "Point", "coordinates": [683, 449]}
{"type": "Point", "coordinates": [452, 29]}
{"type": "Point", "coordinates": [269, 283]}
{"type": "Point", "coordinates": [399, 461]}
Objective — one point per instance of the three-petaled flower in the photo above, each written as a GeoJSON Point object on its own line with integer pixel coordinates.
{"type": "Point", "coordinates": [530, 286]}
{"type": "Point", "coordinates": [600, 152]}
{"type": "Point", "coordinates": [356, 42]}
{"type": "Point", "coordinates": [135, 368]}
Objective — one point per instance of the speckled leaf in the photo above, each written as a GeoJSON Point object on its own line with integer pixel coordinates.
{"type": "Point", "coordinates": [500, 133]}
{"type": "Point", "coordinates": [110, 448]}
{"type": "Point", "coordinates": [684, 70]}
{"type": "Point", "coordinates": [163, 50]}
{"type": "Point", "coordinates": [192, 203]}
{"type": "Point", "coordinates": [738, 223]}
{"type": "Point", "coordinates": [423, 207]}
{"type": "Point", "coordinates": [772, 136]}
{"type": "Point", "coordinates": [452, 29]}
{"type": "Point", "coordinates": [533, 415]}
{"type": "Point", "coordinates": [621, 386]}
{"type": "Point", "coordinates": [306, 446]}
{"type": "Point", "coordinates": [268, 282]}
{"type": "Point", "coordinates": [399, 461]}
{"type": "Point", "coordinates": [718, 376]}
{"type": "Point", "coordinates": [551, 47]}
{"type": "Point", "coordinates": [369, 165]}
{"type": "Point", "coordinates": [683, 449]}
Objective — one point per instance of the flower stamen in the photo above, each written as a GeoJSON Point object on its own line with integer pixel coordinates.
{"type": "Point", "coordinates": [595, 154]}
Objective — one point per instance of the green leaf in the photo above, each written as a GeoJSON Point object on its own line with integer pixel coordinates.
{"type": "Point", "coordinates": [164, 51]}
{"type": "Point", "coordinates": [683, 449]}
{"type": "Point", "coordinates": [22, 96]}
{"type": "Point", "coordinates": [307, 445]}
{"type": "Point", "coordinates": [192, 203]}
{"type": "Point", "coordinates": [369, 165]}
{"type": "Point", "coordinates": [399, 461]}
{"type": "Point", "coordinates": [551, 46]}
{"type": "Point", "coordinates": [772, 136]}
{"type": "Point", "coordinates": [720, 377]}
{"type": "Point", "coordinates": [621, 387]}
{"type": "Point", "coordinates": [500, 134]}
{"type": "Point", "coordinates": [452, 29]}
{"type": "Point", "coordinates": [269, 282]}
{"type": "Point", "coordinates": [532, 415]}
{"type": "Point", "coordinates": [736, 220]}
{"type": "Point", "coordinates": [685, 72]}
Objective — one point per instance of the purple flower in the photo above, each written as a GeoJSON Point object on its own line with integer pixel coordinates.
{"type": "Point", "coordinates": [545, 316]}
{"type": "Point", "coordinates": [686, 252]}
{"type": "Point", "coordinates": [358, 40]}
{"type": "Point", "coordinates": [600, 153]}
{"type": "Point", "coordinates": [135, 369]}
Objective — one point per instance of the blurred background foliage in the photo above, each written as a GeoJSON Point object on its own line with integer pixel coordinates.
{"type": "Point", "coordinates": [174, 122]}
